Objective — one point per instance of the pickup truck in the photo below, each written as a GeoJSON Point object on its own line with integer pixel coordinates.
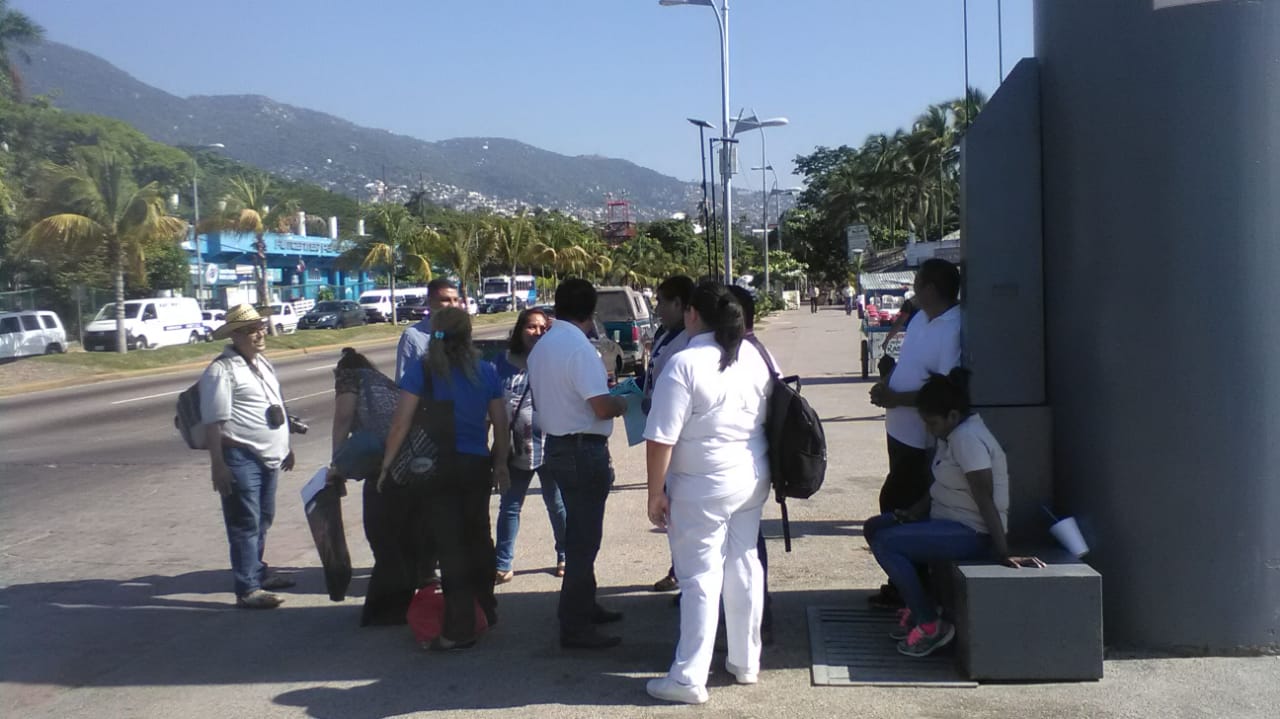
{"type": "Point", "coordinates": [285, 317]}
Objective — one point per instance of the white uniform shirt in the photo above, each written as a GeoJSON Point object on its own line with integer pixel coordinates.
{"type": "Point", "coordinates": [714, 419]}
{"type": "Point", "coordinates": [232, 393]}
{"type": "Point", "coordinates": [930, 346]}
{"type": "Point", "coordinates": [564, 372]}
{"type": "Point", "coordinates": [969, 448]}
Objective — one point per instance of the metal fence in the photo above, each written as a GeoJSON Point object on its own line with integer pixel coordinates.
{"type": "Point", "coordinates": [76, 306]}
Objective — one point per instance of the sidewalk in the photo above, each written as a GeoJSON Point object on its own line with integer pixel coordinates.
{"type": "Point", "coordinates": [117, 604]}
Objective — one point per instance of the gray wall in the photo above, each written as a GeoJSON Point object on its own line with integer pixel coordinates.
{"type": "Point", "coordinates": [1162, 251]}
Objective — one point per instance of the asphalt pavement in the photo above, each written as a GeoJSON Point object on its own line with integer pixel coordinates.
{"type": "Point", "coordinates": [115, 593]}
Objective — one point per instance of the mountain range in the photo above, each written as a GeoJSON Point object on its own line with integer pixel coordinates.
{"type": "Point", "coordinates": [362, 162]}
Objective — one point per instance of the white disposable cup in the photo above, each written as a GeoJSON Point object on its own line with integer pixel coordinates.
{"type": "Point", "coordinates": [1067, 532]}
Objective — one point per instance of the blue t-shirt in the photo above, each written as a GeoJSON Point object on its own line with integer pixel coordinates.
{"type": "Point", "coordinates": [470, 402]}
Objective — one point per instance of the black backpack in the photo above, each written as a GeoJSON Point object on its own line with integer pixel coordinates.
{"type": "Point", "coordinates": [797, 444]}
{"type": "Point", "coordinates": [187, 418]}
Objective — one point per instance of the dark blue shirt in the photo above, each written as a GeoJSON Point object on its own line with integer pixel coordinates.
{"type": "Point", "coordinates": [470, 401]}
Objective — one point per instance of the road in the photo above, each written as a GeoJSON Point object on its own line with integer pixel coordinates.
{"type": "Point", "coordinates": [129, 422]}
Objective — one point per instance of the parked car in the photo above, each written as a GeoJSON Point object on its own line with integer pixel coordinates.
{"type": "Point", "coordinates": [627, 320]}
{"type": "Point", "coordinates": [148, 324]}
{"type": "Point", "coordinates": [285, 318]}
{"type": "Point", "coordinates": [212, 320]}
{"type": "Point", "coordinates": [333, 315]}
{"type": "Point", "coordinates": [610, 351]}
{"type": "Point", "coordinates": [31, 332]}
{"type": "Point", "coordinates": [414, 309]}
{"type": "Point", "coordinates": [377, 303]}
{"type": "Point", "coordinates": [501, 304]}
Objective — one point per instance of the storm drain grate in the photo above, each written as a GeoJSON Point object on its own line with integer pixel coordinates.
{"type": "Point", "coordinates": [850, 646]}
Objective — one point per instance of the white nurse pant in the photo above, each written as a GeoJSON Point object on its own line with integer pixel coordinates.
{"type": "Point", "coordinates": [713, 545]}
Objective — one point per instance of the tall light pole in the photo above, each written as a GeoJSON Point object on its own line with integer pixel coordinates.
{"type": "Point", "coordinates": [195, 225]}
{"type": "Point", "coordinates": [778, 193]}
{"type": "Point", "coordinates": [746, 124]}
{"type": "Point", "coordinates": [703, 125]}
{"type": "Point", "coordinates": [726, 168]}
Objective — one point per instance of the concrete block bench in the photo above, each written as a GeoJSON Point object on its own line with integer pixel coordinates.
{"type": "Point", "coordinates": [1028, 624]}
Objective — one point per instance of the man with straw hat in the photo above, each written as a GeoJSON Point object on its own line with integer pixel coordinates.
{"type": "Point", "coordinates": [247, 433]}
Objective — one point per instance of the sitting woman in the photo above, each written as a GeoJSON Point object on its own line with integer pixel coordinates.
{"type": "Point", "coordinates": [454, 499]}
{"type": "Point", "coordinates": [527, 446]}
{"type": "Point", "coordinates": [364, 400]}
{"type": "Point", "coordinates": [964, 516]}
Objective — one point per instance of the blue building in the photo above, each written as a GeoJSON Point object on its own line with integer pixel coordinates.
{"type": "Point", "coordinates": [298, 266]}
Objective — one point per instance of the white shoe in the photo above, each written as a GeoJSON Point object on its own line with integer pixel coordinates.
{"type": "Point", "coordinates": [667, 689]}
{"type": "Point", "coordinates": [742, 676]}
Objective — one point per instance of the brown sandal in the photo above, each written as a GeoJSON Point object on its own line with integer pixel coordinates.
{"type": "Point", "coordinates": [501, 577]}
{"type": "Point", "coordinates": [559, 569]}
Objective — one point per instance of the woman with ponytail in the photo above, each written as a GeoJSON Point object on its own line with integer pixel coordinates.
{"type": "Point", "coordinates": [454, 501]}
{"type": "Point", "coordinates": [964, 516]}
{"type": "Point", "coordinates": [708, 477]}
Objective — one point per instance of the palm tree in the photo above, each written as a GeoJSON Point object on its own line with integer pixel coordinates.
{"type": "Point", "coordinates": [397, 236]}
{"type": "Point", "coordinates": [512, 241]}
{"type": "Point", "coordinates": [247, 197]}
{"type": "Point", "coordinates": [93, 202]}
{"type": "Point", "coordinates": [16, 30]}
{"type": "Point", "coordinates": [464, 248]}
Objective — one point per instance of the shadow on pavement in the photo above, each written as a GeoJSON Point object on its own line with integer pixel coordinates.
{"type": "Point", "coordinates": [772, 528]}
{"type": "Point", "coordinates": [183, 631]}
{"type": "Point", "coordinates": [868, 418]}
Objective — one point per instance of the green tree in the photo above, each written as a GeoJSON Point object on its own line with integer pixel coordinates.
{"type": "Point", "coordinates": [397, 238]}
{"type": "Point", "coordinates": [94, 203]}
{"type": "Point", "coordinates": [16, 30]}
{"type": "Point", "coordinates": [247, 204]}
{"type": "Point", "coordinates": [513, 239]}
{"type": "Point", "coordinates": [464, 248]}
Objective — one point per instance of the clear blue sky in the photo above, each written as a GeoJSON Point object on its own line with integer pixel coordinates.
{"type": "Point", "coordinates": [579, 77]}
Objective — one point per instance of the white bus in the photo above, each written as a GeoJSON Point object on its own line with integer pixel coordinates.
{"type": "Point", "coordinates": [495, 292]}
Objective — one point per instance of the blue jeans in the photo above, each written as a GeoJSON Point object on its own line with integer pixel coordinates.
{"type": "Point", "coordinates": [580, 466]}
{"type": "Point", "coordinates": [899, 548]}
{"type": "Point", "coordinates": [509, 514]}
{"type": "Point", "coordinates": [248, 513]}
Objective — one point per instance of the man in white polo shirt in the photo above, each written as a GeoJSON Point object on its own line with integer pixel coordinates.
{"type": "Point", "coordinates": [931, 346]}
{"type": "Point", "coordinates": [575, 410]}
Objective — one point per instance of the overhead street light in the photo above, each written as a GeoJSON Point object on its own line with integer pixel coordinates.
{"type": "Point", "coordinates": [778, 193]}
{"type": "Point", "coordinates": [722, 22]}
{"type": "Point", "coordinates": [195, 225]}
{"type": "Point", "coordinates": [747, 124]}
{"type": "Point", "coordinates": [703, 126]}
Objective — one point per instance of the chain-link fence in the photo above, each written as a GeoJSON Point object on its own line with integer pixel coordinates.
{"type": "Point", "coordinates": [76, 307]}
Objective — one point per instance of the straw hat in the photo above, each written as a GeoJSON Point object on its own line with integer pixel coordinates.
{"type": "Point", "coordinates": [239, 317]}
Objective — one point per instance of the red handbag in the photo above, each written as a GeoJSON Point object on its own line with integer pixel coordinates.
{"type": "Point", "coordinates": [426, 614]}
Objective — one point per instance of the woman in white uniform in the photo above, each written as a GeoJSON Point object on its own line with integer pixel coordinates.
{"type": "Point", "coordinates": [706, 446]}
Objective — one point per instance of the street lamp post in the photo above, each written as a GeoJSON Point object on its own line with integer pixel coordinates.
{"type": "Point", "coordinates": [702, 148]}
{"type": "Point", "coordinates": [722, 22]}
{"type": "Point", "coordinates": [745, 124]}
{"type": "Point", "coordinates": [778, 193]}
{"type": "Point", "coordinates": [195, 226]}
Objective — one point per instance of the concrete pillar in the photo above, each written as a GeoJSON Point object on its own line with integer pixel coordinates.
{"type": "Point", "coordinates": [1162, 250]}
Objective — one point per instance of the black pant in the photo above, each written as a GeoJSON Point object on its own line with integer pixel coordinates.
{"type": "Point", "coordinates": [581, 466]}
{"type": "Point", "coordinates": [396, 527]}
{"type": "Point", "coordinates": [813, 304]}
{"type": "Point", "coordinates": [908, 479]}
{"type": "Point", "coordinates": [458, 515]}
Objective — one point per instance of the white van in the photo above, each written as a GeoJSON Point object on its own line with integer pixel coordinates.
{"type": "Point", "coordinates": [148, 323]}
{"type": "Point", "coordinates": [377, 303]}
{"type": "Point", "coordinates": [31, 332]}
